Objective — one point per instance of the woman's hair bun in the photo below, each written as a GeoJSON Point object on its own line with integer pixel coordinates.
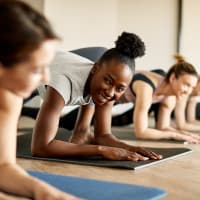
{"type": "Point", "coordinates": [179, 58]}
{"type": "Point", "coordinates": [129, 44]}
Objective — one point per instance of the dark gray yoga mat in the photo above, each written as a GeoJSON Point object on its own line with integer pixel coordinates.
{"type": "Point", "coordinates": [24, 151]}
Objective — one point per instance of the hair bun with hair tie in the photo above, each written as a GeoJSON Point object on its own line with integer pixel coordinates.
{"type": "Point", "coordinates": [130, 45]}
{"type": "Point", "coordinates": [179, 58]}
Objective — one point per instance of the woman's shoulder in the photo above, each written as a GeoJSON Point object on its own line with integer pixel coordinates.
{"type": "Point", "coordinates": [65, 62]}
{"type": "Point", "coordinates": [147, 78]}
{"type": "Point", "coordinates": [9, 99]}
{"type": "Point", "coordinates": [70, 57]}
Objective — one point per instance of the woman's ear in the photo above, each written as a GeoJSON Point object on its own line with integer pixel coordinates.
{"type": "Point", "coordinates": [94, 68]}
{"type": "Point", "coordinates": [1, 69]}
{"type": "Point", "coordinates": [172, 78]}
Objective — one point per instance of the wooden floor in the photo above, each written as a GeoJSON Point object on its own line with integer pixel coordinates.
{"type": "Point", "coordinates": [180, 177]}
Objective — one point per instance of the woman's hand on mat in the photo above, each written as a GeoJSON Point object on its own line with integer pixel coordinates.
{"type": "Point", "coordinates": [196, 136]}
{"type": "Point", "coordinates": [146, 152]}
{"type": "Point", "coordinates": [188, 138]}
{"type": "Point", "coordinates": [44, 191]}
{"type": "Point", "coordinates": [114, 153]}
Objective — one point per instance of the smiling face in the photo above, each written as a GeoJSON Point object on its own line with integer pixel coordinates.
{"type": "Point", "coordinates": [109, 81]}
{"type": "Point", "coordinates": [183, 85]}
{"type": "Point", "coordinates": [24, 77]}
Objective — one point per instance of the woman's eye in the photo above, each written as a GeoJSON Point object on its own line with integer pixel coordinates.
{"type": "Point", "coordinates": [107, 81]}
{"type": "Point", "coordinates": [120, 89]}
{"type": "Point", "coordinates": [38, 71]}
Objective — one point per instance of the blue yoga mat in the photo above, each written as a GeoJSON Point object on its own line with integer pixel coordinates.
{"type": "Point", "coordinates": [100, 190]}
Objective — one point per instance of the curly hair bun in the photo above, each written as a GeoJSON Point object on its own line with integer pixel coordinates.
{"type": "Point", "coordinates": [179, 58]}
{"type": "Point", "coordinates": [129, 44]}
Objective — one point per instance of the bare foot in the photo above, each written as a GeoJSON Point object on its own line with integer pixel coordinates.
{"type": "Point", "coordinates": [82, 138]}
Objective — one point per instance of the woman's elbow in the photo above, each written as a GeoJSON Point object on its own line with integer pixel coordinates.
{"type": "Point", "coordinates": [140, 134]}
{"type": "Point", "coordinates": [39, 150]}
{"type": "Point", "coordinates": [180, 126]}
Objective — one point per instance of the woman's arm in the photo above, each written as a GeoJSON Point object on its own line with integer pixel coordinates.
{"type": "Point", "coordinates": [143, 102]}
{"type": "Point", "coordinates": [191, 111]}
{"type": "Point", "coordinates": [163, 129]}
{"type": "Point", "coordinates": [103, 135]}
{"type": "Point", "coordinates": [164, 119]}
{"type": "Point", "coordinates": [164, 114]}
{"type": "Point", "coordinates": [13, 178]}
{"type": "Point", "coordinates": [180, 115]}
{"type": "Point", "coordinates": [82, 133]}
{"type": "Point", "coordinates": [44, 143]}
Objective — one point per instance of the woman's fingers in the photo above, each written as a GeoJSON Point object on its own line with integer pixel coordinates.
{"type": "Point", "coordinates": [154, 155]}
{"type": "Point", "coordinates": [191, 139]}
{"type": "Point", "coordinates": [136, 157]}
{"type": "Point", "coordinates": [148, 153]}
{"type": "Point", "coordinates": [139, 154]}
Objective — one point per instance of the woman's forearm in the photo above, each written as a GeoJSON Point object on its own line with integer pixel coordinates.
{"type": "Point", "coordinates": [155, 134]}
{"type": "Point", "coordinates": [58, 148]}
{"type": "Point", "coordinates": [112, 141]}
{"type": "Point", "coordinates": [16, 181]}
{"type": "Point", "coordinates": [190, 126]}
{"type": "Point", "coordinates": [182, 135]}
{"type": "Point", "coordinates": [187, 126]}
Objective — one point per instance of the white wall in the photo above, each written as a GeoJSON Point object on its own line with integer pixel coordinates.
{"type": "Point", "coordinates": [83, 23]}
{"type": "Point", "coordinates": [37, 4]}
{"type": "Point", "coordinates": [155, 21]}
{"type": "Point", "coordinates": [190, 40]}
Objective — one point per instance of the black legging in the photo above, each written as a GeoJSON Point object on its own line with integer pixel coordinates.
{"type": "Point", "coordinates": [198, 111]}
{"type": "Point", "coordinates": [67, 121]}
{"type": "Point", "coordinates": [127, 117]}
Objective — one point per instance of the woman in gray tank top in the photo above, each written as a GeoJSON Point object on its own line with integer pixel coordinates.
{"type": "Point", "coordinates": [101, 83]}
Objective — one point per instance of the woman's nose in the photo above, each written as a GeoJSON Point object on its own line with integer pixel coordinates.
{"type": "Point", "coordinates": [110, 92]}
{"type": "Point", "coordinates": [189, 90]}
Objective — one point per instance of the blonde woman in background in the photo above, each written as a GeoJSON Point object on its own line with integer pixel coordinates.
{"type": "Point", "coordinates": [147, 88]}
